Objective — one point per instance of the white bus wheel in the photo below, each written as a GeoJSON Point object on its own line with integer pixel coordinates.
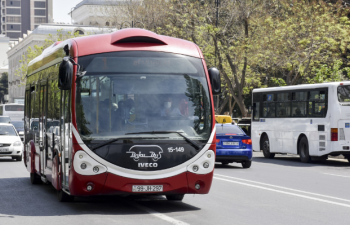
{"type": "Point", "coordinates": [304, 150]}
{"type": "Point", "coordinates": [266, 148]}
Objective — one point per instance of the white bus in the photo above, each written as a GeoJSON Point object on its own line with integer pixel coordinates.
{"type": "Point", "coordinates": [311, 120]}
{"type": "Point", "coordinates": [13, 110]}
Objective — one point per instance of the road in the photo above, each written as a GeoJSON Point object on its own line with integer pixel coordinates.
{"type": "Point", "coordinates": [273, 191]}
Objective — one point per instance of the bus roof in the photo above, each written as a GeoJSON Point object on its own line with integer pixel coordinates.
{"type": "Point", "coordinates": [131, 39]}
{"type": "Point", "coordinates": [301, 86]}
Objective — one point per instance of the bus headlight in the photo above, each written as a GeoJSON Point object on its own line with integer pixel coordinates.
{"type": "Point", "coordinates": [17, 143]}
{"type": "Point", "coordinates": [95, 169]}
{"type": "Point", "coordinates": [84, 164]}
{"type": "Point", "coordinates": [204, 164]}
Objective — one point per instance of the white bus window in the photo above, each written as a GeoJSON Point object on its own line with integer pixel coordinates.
{"type": "Point", "coordinates": [283, 109]}
{"type": "Point", "coordinates": [344, 93]}
{"type": "Point", "coordinates": [269, 110]}
{"type": "Point", "coordinates": [256, 114]}
{"type": "Point", "coordinates": [283, 97]}
{"type": "Point", "coordinates": [299, 96]}
{"type": "Point", "coordinates": [299, 109]}
{"type": "Point", "coordinates": [317, 95]}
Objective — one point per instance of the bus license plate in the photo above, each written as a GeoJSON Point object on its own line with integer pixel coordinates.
{"type": "Point", "coordinates": [4, 150]}
{"type": "Point", "coordinates": [230, 143]}
{"type": "Point", "coordinates": [147, 188]}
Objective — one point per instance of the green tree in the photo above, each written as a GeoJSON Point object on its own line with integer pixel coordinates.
{"type": "Point", "coordinates": [4, 84]}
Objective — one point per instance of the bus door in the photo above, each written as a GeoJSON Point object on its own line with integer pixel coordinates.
{"type": "Point", "coordinates": [42, 128]}
{"type": "Point", "coordinates": [66, 137]}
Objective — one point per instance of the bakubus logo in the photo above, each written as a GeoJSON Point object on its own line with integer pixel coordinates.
{"type": "Point", "coordinates": [145, 151]}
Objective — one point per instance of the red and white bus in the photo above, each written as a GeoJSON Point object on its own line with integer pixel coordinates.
{"type": "Point", "coordinates": [123, 113]}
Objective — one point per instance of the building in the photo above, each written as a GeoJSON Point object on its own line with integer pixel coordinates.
{"type": "Point", "coordinates": [95, 12]}
{"type": "Point", "coordinates": [30, 39]}
{"type": "Point", "coordinates": [4, 47]}
{"type": "Point", "coordinates": [19, 16]}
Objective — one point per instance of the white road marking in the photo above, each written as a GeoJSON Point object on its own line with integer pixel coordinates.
{"type": "Point", "coordinates": [158, 214]}
{"type": "Point", "coordinates": [285, 188]}
{"type": "Point", "coordinates": [336, 175]}
{"type": "Point", "coordinates": [284, 192]}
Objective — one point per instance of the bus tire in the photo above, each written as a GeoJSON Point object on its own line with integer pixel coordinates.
{"type": "Point", "coordinates": [177, 197]}
{"type": "Point", "coordinates": [266, 148]}
{"type": "Point", "coordinates": [64, 197]}
{"type": "Point", "coordinates": [246, 164]}
{"type": "Point", "coordinates": [35, 178]}
{"type": "Point", "coordinates": [304, 150]}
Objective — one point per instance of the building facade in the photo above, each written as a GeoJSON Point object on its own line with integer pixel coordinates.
{"type": "Point", "coordinates": [103, 13]}
{"type": "Point", "coordinates": [19, 16]}
{"type": "Point", "coordinates": [37, 37]}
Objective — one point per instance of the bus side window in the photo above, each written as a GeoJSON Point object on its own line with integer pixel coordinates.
{"type": "Point", "coordinates": [1, 107]}
{"type": "Point", "coordinates": [317, 103]}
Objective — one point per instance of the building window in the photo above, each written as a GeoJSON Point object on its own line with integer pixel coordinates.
{"type": "Point", "coordinates": [13, 11]}
{"type": "Point", "coordinates": [80, 32]}
{"type": "Point", "coordinates": [13, 3]}
{"type": "Point", "coordinates": [40, 5]}
{"type": "Point", "coordinates": [40, 20]}
{"type": "Point", "coordinates": [13, 19]}
{"type": "Point", "coordinates": [14, 35]}
{"type": "Point", "coordinates": [107, 24]}
{"type": "Point", "coordinates": [40, 12]}
{"type": "Point", "coordinates": [14, 27]}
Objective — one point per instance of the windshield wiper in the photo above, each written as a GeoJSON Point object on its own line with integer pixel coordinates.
{"type": "Point", "coordinates": [171, 132]}
{"type": "Point", "coordinates": [114, 140]}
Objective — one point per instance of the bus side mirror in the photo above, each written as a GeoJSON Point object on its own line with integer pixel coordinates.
{"type": "Point", "coordinates": [65, 74]}
{"type": "Point", "coordinates": [215, 81]}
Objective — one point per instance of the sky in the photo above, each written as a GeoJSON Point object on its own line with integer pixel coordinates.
{"type": "Point", "coordinates": [61, 8]}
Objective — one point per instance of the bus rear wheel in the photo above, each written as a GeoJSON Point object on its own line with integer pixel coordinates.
{"type": "Point", "coordinates": [64, 197]}
{"type": "Point", "coordinates": [266, 148]}
{"type": "Point", "coordinates": [178, 197]}
{"type": "Point", "coordinates": [304, 150]}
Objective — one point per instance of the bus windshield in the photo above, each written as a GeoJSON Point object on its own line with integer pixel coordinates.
{"type": "Point", "coordinates": [126, 92]}
{"type": "Point", "coordinates": [344, 93]}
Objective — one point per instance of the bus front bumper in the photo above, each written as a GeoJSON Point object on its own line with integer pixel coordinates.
{"type": "Point", "coordinates": [111, 184]}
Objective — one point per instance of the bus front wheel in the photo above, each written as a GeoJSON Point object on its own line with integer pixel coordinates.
{"type": "Point", "coordinates": [64, 197]}
{"type": "Point", "coordinates": [304, 150]}
{"type": "Point", "coordinates": [266, 148]}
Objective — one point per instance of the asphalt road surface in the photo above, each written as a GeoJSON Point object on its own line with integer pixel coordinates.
{"type": "Point", "coordinates": [273, 191]}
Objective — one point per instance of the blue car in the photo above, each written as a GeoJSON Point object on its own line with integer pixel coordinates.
{"type": "Point", "coordinates": [233, 145]}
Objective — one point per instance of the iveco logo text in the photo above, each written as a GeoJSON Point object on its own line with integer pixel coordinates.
{"type": "Point", "coordinates": [148, 164]}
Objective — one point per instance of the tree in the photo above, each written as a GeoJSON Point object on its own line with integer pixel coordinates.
{"type": "Point", "coordinates": [4, 83]}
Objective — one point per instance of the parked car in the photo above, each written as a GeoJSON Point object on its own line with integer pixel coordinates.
{"type": "Point", "coordinates": [10, 142]}
{"type": "Point", "coordinates": [233, 145]}
{"type": "Point", "coordinates": [19, 125]}
{"type": "Point", "coordinates": [5, 119]}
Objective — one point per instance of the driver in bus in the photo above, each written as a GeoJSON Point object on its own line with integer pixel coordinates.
{"type": "Point", "coordinates": [171, 108]}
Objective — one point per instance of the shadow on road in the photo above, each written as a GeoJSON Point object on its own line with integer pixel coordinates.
{"type": "Point", "coordinates": [19, 197]}
{"type": "Point", "coordinates": [283, 160]}
{"type": "Point", "coordinates": [7, 159]}
{"type": "Point", "coordinates": [229, 166]}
